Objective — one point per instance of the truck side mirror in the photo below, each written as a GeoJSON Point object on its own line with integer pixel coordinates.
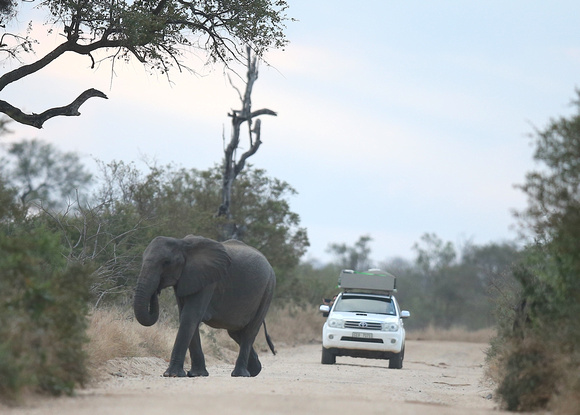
{"type": "Point", "coordinates": [405, 314]}
{"type": "Point", "coordinates": [325, 309]}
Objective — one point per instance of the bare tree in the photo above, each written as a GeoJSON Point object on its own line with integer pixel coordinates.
{"type": "Point", "coordinates": [231, 166]}
{"type": "Point", "coordinates": [155, 32]}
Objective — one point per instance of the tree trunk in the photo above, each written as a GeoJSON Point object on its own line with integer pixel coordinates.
{"type": "Point", "coordinates": [231, 166]}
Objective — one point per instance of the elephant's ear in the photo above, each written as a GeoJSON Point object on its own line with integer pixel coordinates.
{"type": "Point", "coordinates": [206, 262]}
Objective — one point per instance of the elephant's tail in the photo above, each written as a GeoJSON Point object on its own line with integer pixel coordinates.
{"type": "Point", "coordinates": [269, 340]}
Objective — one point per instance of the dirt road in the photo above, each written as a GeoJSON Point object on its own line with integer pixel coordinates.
{"type": "Point", "coordinates": [437, 378]}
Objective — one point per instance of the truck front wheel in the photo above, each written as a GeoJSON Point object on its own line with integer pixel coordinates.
{"type": "Point", "coordinates": [396, 362]}
{"type": "Point", "coordinates": [327, 357]}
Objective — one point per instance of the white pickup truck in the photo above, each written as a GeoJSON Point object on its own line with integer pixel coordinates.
{"type": "Point", "coordinates": [365, 319]}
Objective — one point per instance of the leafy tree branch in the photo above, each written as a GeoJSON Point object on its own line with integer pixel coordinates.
{"type": "Point", "coordinates": [154, 32]}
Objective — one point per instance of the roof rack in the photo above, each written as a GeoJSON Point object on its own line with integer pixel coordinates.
{"type": "Point", "coordinates": [373, 280]}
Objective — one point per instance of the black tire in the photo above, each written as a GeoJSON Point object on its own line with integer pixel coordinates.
{"type": "Point", "coordinates": [327, 357]}
{"type": "Point", "coordinates": [396, 362]}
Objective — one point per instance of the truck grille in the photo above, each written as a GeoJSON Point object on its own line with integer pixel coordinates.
{"type": "Point", "coordinates": [362, 325]}
{"type": "Point", "coordinates": [360, 340]}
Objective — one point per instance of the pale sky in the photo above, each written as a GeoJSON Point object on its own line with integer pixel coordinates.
{"type": "Point", "coordinates": [394, 118]}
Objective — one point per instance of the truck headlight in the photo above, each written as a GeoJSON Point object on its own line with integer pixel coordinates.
{"type": "Point", "coordinates": [335, 323]}
{"type": "Point", "coordinates": [390, 326]}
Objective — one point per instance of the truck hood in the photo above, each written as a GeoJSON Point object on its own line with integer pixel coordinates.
{"type": "Point", "coordinates": [379, 318]}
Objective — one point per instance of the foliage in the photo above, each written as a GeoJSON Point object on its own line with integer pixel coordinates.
{"type": "Point", "coordinates": [43, 174]}
{"type": "Point", "coordinates": [43, 305]}
{"type": "Point", "coordinates": [6, 9]}
{"type": "Point", "coordinates": [529, 377]}
{"type": "Point", "coordinates": [310, 284]}
{"type": "Point", "coordinates": [10, 212]}
{"type": "Point", "coordinates": [130, 208]}
{"type": "Point", "coordinates": [543, 324]}
{"type": "Point", "coordinates": [445, 288]}
{"type": "Point", "coordinates": [155, 32]}
{"type": "Point", "coordinates": [352, 257]}
{"type": "Point", "coordinates": [434, 255]}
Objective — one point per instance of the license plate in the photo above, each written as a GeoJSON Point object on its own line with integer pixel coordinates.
{"type": "Point", "coordinates": [363, 335]}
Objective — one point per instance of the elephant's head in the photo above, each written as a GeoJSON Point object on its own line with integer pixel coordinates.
{"type": "Point", "coordinates": [188, 264]}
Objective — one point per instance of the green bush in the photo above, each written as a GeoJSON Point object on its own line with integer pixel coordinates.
{"type": "Point", "coordinates": [43, 309]}
{"type": "Point", "coordinates": [529, 377]}
{"type": "Point", "coordinates": [537, 355]}
{"type": "Point", "coordinates": [526, 352]}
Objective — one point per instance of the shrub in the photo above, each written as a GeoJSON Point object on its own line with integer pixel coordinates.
{"type": "Point", "coordinates": [534, 358]}
{"type": "Point", "coordinates": [529, 378]}
{"type": "Point", "coordinates": [43, 306]}
{"type": "Point", "coordinates": [538, 359]}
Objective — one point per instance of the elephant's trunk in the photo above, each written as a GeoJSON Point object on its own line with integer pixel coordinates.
{"type": "Point", "coordinates": [146, 302]}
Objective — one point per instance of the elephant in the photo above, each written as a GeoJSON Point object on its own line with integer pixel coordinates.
{"type": "Point", "coordinates": [227, 285]}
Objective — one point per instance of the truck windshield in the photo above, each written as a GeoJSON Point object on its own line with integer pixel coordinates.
{"type": "Point", "coordinates": [359, 304]}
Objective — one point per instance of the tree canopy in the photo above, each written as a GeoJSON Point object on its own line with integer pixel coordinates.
{"type": "Point", "coordinates": [155, 32]}
{"type": "Point", "coordinates": [43, 174]}
{"type": "Point", "coordinates": [352, 257]}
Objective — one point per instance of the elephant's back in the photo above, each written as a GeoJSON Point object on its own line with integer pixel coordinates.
{"type": "Point", "coordinates": [250, 282]}
{"type": "Point", "coordinates": [235, 247]}
{"type": "Point", "coordinates": [246, 258]}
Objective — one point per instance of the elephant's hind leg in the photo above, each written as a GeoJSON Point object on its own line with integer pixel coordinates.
{"type": "Point", "coordinates": [254, 365]}
{"type": "Point", "coordinates": [247, 363]}
{"type": "Point", "coordinates": [197, 357]}
{"type": "Point", "coordinates": [241, 368]}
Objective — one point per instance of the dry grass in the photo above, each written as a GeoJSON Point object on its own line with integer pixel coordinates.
{"type": "Point", "coordinates": [456, 334]}
{"type": "Point", "coordinates": [293, 325]}
{"type": "Point", "coordinates": [114, 333]}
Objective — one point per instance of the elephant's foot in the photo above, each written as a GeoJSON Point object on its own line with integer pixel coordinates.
{"type": "Point", "coordinates": [194, 373]}
{"type": "Point", "coordinates": [254, 366]}
{"type": "Point", "coordinates": [238, 372]}
{"type": "Point", "coordinates": [173, 372]}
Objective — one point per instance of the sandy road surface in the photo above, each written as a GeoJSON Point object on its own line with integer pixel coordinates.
{"type": "Point", "coordinates": [437, 378]}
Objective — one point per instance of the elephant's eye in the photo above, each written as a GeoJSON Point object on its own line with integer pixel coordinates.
{"type": "Point", "coordinates": [166, 263]}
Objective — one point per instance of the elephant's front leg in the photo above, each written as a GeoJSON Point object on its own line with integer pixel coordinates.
{"type": "Point", "coordinates": [184, 336]}
{"type": "Point", "coordinates": [192, 309]}
{"type": "Point", "coordinates": [197, 357]}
